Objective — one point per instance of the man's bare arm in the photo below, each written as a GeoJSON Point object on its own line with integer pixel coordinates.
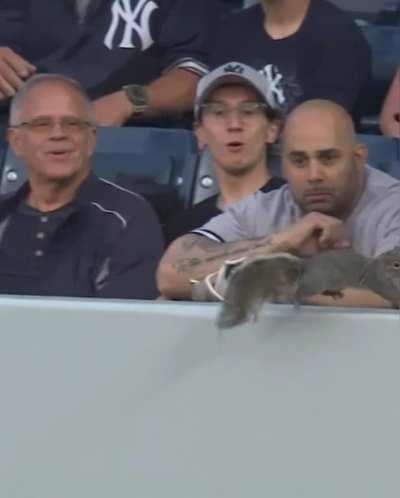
{"type": "Point", "coordinates": [172, 93]}
{"type": "Point", "coordinates": [194, 257]}
{"type": "Point", "coordinates": [14, 70]}
{"type": "Point", "coordinates": [356, 298]}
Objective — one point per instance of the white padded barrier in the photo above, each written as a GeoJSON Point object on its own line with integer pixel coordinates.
{"type": "Point", "coordinates": [149, 400]}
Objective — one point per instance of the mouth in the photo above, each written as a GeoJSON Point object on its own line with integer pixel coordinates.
{"type": "Point", "coordinates": [59, 153]}
{"type": "Point", "coordinates": [318, 195]}
{"type": "Point", "coordinates": [235, 146]}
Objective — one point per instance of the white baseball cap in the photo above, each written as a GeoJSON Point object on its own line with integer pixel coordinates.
{"type": "Point", "coordinates": [233, 72]}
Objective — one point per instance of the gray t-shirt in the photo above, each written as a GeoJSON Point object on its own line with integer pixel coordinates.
{"type": "Point", "coordinates": [373, 226]}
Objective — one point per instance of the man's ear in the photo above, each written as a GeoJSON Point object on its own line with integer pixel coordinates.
{"type": "Point", "coordinates": [273, 131]}
{"type": "Point", "coordinates": [92, 139]}
{"type": "Point", "coordinates": [14, 141]}
{"type": "Point", "coordinates": [199, 134]}
{"type": "Point", "coordinates": [360, 153]}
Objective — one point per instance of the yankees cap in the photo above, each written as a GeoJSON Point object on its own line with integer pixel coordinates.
{"type": "Point", "coordinates": [233, 72]}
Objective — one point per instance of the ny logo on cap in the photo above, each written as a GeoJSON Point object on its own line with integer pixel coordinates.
{"type": "Point", "coordinates": [234, 68]}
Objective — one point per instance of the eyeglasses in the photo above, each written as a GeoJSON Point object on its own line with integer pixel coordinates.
{"type": "Point", "coordinates": [245, 110]}
{"type": "Point", "coordinates": [44, 125]}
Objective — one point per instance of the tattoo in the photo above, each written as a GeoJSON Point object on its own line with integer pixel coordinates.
{"type": "Point", "coordinates": [186, 264]}
{"type": "Point", "coordinates": [218, 251]}
{"type": "Point", "coordinates": [189, 242]}
{"type": "Point", "coordinates": [194, 241]}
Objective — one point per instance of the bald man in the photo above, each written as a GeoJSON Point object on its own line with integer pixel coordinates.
{"type": "Point", "coordinates": [333, 199]}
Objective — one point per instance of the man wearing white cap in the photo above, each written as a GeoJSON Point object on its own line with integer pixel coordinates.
{"type": "Point", "coordinates": [236, 120]}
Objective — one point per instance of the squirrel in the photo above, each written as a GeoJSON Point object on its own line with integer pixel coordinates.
{"type": "Point", "coordinates": [284, 278]}
{"type": "Point", "coordinates": [332, 271]}
{"type": "Point", "coordinates": [382, 276]}
{"type": "Point", "coordinates": [273, 278]}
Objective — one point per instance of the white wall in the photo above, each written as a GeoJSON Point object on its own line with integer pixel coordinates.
{"type": "Point", "coordinates": [146, 400]}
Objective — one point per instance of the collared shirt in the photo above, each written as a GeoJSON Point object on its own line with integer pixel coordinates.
{"type": "Point", "coordinates": [373, 227]}
{"type": "Point", "coordinates": [106, 243]}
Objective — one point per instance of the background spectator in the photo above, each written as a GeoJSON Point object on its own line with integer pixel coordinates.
{"type": "Point", "coordinates": [235, 120]}
{"type": "Point", "coordinates": [160, 46]}
{"type": "Point", "coordinates": [66, 232]}
{"type": "Point", "coordinates": [332, 196]}
{"type": "Point", "coordinates": [390, 115]}
{"type": "Point", "coordinates": [306, 49]}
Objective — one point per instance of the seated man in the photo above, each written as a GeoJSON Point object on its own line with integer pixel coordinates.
{"type": "Point", "coordinates": [307, 49]}
{"type": "Point", "coordinates": [158, 48]}
{"type": "Point", "coordinates": [332, 199]}
{"type": "Point", "coordinates": [67, 232]}
{"type": "Point", "coordinates": [235, 120]}
{"type": "Point", "coordinates": [390, 115]}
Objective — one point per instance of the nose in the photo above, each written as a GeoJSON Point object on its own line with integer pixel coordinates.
{"type": "Point", "coordinates": [57, 130]}
{"type": "Point", "coordinates": [315, 171]}
{"type": "Point", "coordinates": [234, 120]}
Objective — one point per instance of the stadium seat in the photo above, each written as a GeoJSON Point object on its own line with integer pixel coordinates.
{"type": "Point", "coordinates": [383, 153]}
{"type": "Point", "coordinates": [128, 156]}
{"type": "Point", "coordinates": [205, 183]}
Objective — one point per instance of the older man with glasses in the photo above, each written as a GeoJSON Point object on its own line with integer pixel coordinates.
{"type": "Point", "coordinates": [67, 232]}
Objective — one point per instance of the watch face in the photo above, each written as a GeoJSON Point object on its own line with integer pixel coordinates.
{"type": "Point", "coordinates": [138, 96]}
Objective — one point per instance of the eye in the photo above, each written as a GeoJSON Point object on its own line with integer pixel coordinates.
{"type": "Point", "coordinates": [40, 124]}
{"type": "Point", "coordinates": [329, 157]}
{"type": "Point", "coordinates": [72, 123]}
{"type": "Point", "coordinates": [248, 112]}
{"type": "Point", "coordinates": [214, 109]}
{"type": "Point", "coordinates": [249, 108]}
{"type": "Point", "coordinates": [396, 265]}
{"type": "Point", "coordinates": [298, 161]}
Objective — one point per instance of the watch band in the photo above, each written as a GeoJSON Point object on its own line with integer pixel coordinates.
{"type": "Point", "coordinates": [138, 96]}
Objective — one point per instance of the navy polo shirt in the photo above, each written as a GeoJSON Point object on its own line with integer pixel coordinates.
{"type": "Point", "coordinates": [106, 243]}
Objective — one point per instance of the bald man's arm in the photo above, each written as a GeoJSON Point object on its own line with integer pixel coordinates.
{"type": "Point", "coordinates": [352, 298]}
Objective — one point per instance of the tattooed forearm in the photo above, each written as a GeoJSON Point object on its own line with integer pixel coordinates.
{"type": "Point", "coordinates": [193, 257]}
{"type": "Point", "coordinates": [199, 242]}
{"type": "Point", "coordinates": [209, 252]}
{"type": "Point", "coordinates": [186, 264]}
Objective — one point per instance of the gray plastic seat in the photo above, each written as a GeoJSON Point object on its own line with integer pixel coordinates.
{"type": "Point", "coordinates": [166, 156]}
{"type": "Point", "coordinates": [383, 153]}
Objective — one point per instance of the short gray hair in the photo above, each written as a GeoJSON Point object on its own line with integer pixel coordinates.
{"type": "Point", "coordinates": [18, 100]}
